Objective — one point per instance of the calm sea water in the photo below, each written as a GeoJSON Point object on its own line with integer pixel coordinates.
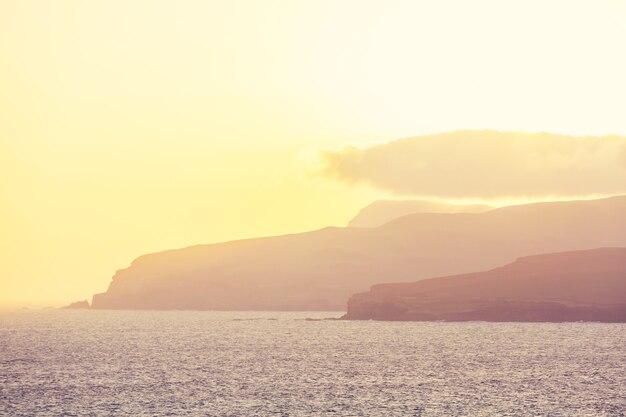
{"type": "Point", "coordinates": [121, 363]}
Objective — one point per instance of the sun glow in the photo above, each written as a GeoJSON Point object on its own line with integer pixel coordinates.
{"type": "Point", "coordinates": [130, 127]}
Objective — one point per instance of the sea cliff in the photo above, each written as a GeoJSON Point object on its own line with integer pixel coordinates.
{"type": "Point", "coordinates": [585, 285]}
{"type": "Point", "coordinates": [320, 270]}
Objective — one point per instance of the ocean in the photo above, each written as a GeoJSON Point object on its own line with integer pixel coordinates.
{"type": "Point", "coordinates": [194, 363]}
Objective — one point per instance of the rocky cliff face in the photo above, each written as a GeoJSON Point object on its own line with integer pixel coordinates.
{"type": "Point", "coordinates": [585, 285]}
{"type": "Point", "coordinates": [78, 305]}
{"type": "Point", "coordinates": [319, 270]}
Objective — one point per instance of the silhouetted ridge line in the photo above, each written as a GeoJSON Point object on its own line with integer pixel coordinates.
{"type": "Point", "coordinates": [587, 285]}
{"type": "Point", "coordinates": [319, 270]}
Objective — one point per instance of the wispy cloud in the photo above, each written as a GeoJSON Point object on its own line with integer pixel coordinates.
{"type": "Point", "coordinates": [485, 164]}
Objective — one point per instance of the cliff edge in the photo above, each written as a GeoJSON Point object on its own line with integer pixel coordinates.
{"type": "Point", "coordinates": [588, 285]}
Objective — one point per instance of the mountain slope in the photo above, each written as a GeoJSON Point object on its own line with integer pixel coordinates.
{"type": "Point", "coordinates": [566, 286]}
{"type": "Point", "coordinates": [382, 211]}
{"type": "Point", "coordinates": [319, 270]}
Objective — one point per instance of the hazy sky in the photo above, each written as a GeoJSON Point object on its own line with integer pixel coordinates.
{"type": "Point", "coordinates": [134, 126]}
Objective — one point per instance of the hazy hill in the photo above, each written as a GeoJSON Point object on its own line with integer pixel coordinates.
{"type": "Point", "coordinates": [566, 286]}
{"type": "Point", "coordinates": [382, 211]}
{"type": "Point", "coordinates": [319, 270]}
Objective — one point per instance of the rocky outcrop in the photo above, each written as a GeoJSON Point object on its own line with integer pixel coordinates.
{"type": "Point", "coordinates": [383, 211]}
{"type": "Point", "coordinates": [585, 285]}
{"type": "Point", "coordinates": [78, 305]}
{"type": "Point", "coordinates": [319, 270]}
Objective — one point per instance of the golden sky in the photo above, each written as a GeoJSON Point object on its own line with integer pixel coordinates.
{"type": "Point", "coordinates": [128, 127]}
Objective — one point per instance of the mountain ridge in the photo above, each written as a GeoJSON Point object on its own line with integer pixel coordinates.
{"type": "Point", "coordinates": [320, 269]}
{"type": "Point", "coordinates": [380, 212]}
{"type": "Point", "coordinates": [564, 286]}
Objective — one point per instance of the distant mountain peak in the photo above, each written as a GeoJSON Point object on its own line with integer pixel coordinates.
{"type": "Point", "coordinates": [380, 212]}
{"type": "Point", "coordinates": [319, 270]}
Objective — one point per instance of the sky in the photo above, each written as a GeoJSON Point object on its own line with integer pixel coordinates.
{"type": "Point", "coordinates": [129, 127]}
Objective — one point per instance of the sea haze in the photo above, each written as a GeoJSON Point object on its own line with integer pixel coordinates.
{"type": "Point", "coordinates": [145, 363]}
